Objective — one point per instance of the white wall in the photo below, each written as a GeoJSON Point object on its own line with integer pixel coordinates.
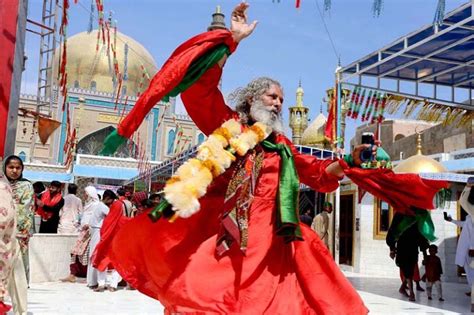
{"type": "Point", "coordinates": [50, 256]}
{"type": "Point", "coordinates": [373, 254]}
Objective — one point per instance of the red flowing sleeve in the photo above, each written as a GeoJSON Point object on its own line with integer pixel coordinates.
{"type": "Point", "coordinates": [112, 224]}
{"type": "Point", "coordinates": [311, 170]}
{"type": "Point", "coordinates": [205, 104]}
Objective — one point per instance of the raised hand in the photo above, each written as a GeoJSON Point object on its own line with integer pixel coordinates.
{"type": "Point", "coordinates": [239, 26]}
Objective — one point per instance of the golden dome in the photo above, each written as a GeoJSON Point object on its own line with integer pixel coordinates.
{"type": "Point", "coordinates": [419, 163]}
{"type": "Point", "coordinates": [85, 65]}
{"type": "Point", "coordinates": [314, 134]}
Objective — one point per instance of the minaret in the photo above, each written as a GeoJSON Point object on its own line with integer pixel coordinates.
{"type": "Point", "coordinates": [298, 116]}
{"type": "Point", "coordinates": [218, 23]}
{"type": "Point", "coordinates": [218, 20]}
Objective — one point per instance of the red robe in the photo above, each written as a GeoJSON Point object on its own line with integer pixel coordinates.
{"type": "Point", "coordinates": [112, 224]}
{"type": "Point", "coordinates": [176, 262]}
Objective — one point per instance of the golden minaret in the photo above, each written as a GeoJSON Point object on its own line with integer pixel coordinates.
{"type": "Point", "coordinates": [298, 116]}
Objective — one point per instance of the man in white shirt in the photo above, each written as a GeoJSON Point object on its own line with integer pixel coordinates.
{"type": "Point", "coordinates": [98, 215]}
{"type": "Point", "coordinates": [69, 215]}
{"type": "Point", "coordinates": [465, 248]}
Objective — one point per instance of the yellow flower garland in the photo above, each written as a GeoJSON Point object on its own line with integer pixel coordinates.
{"type": "Point", "coordinates": [214, 156]}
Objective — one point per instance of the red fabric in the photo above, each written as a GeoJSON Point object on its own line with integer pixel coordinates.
{"type": "Point", "coordinates": [112, 224]}
{"type": "Point", "coordinates": [330, 129]}
{"type": "Point", "coordinates": [433, 268]}
{"type": "Point", "coordinates": [176, 263]}
{"type": "Point", "coordinates": [8, 26]}
{"type": "Point", "coordinates": [416, 274]}
{"type": "Point", "coordinates": [171, 74]}
{"type": "Point", "coordinates": [138, 197]}
{"type": "Point", "coordinates": [401, 191]}
{"type": "Point", "coordinates": [4, 308]}
{"type": "Point", "coordinates": [48, 201]}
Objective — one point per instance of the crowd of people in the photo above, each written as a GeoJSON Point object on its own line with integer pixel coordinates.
{"type": "Point", "coordinates": [84, 215]}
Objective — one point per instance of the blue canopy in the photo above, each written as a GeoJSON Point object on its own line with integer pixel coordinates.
{"type": "Point", "coordinates": [437, 55]}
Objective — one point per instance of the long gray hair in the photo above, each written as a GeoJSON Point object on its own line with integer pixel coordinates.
{"type": "Point", "coordinates": [242, 97]}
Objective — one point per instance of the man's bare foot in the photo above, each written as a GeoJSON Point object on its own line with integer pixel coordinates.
{"type": "Point", "coordinates": [99, 289]}
{"type": "Point", "coordinates": [70, 278]}
{"type": "Point", "coordinates": [403, 292]}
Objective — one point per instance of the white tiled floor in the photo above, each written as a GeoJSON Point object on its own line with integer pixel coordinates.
{"type": "Point", "coordinates": [76, 299]}
{"type": "Point", "coordinates": [380, 295]}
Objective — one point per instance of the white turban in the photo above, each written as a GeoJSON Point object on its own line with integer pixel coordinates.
{"type": "Point", "coordinates": [92, 193]}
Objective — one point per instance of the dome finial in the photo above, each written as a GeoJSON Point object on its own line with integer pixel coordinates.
{"type": "Point", "coordinates": [418, 142]}
{"type": "Point", "coordinates": [299, 95]}
{"type": "Point", "coordinates": [218, 20]}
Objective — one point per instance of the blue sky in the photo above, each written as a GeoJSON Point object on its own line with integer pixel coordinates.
{"type": "Point", "coordinates": [288, 44]}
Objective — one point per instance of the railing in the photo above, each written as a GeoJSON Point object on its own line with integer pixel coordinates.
{"type": "Point", "coordinates": [38, 167]}
{"type": "Point", "coordinates": [95, 160]}
{"type": "Point", "coordinates": [168, 167]}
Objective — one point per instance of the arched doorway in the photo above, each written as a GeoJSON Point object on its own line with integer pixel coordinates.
{"type": "Point", "coordinates": [93, 143]}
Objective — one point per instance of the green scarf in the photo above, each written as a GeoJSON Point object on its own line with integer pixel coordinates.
{"type": "Point", "coordinates": [288, 193]}
{"type": "Point", "coordinates": [422, 219]}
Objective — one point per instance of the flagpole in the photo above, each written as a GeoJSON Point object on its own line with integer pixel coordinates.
{"type": "Point", "coordinates": [338, 107]}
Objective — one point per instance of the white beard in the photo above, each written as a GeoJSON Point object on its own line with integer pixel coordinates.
{"type": "Point", "coordinates": [267, 115]}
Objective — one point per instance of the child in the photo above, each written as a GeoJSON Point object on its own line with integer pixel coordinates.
{"type": "Point", "coordinates": [433, 272]}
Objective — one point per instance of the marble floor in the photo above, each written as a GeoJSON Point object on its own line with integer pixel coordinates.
{"type": "Point", "coordinates": [380, 295]}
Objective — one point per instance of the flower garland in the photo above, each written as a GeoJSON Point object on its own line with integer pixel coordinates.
{"type": "Point", "coordinates": [214, 156]}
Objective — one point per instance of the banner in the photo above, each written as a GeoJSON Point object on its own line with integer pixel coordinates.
{"type": "Point", "coordinates": [46, 127]}
{"type": "Point", "coordinates": [8, 31]}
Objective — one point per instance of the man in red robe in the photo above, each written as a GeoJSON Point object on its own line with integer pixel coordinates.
{"type": "Point", "coordinates": [242, 252]}
{"type": "Point", "coordinates": [194, 265]}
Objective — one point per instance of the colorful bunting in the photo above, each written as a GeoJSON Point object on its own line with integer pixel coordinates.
{"type": "Point", "coordinates": [355, 113]}
{"type": "Point", "coordinates": [125, 63]}
{"type": "Point", "coordinates": [378, 103]}
{"type": "Point", "coordinates": [91, 18]}
{"type": "Point", "coordinates": [377, 7]}
{"type": "Point", "coordinates": [327, 5]}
